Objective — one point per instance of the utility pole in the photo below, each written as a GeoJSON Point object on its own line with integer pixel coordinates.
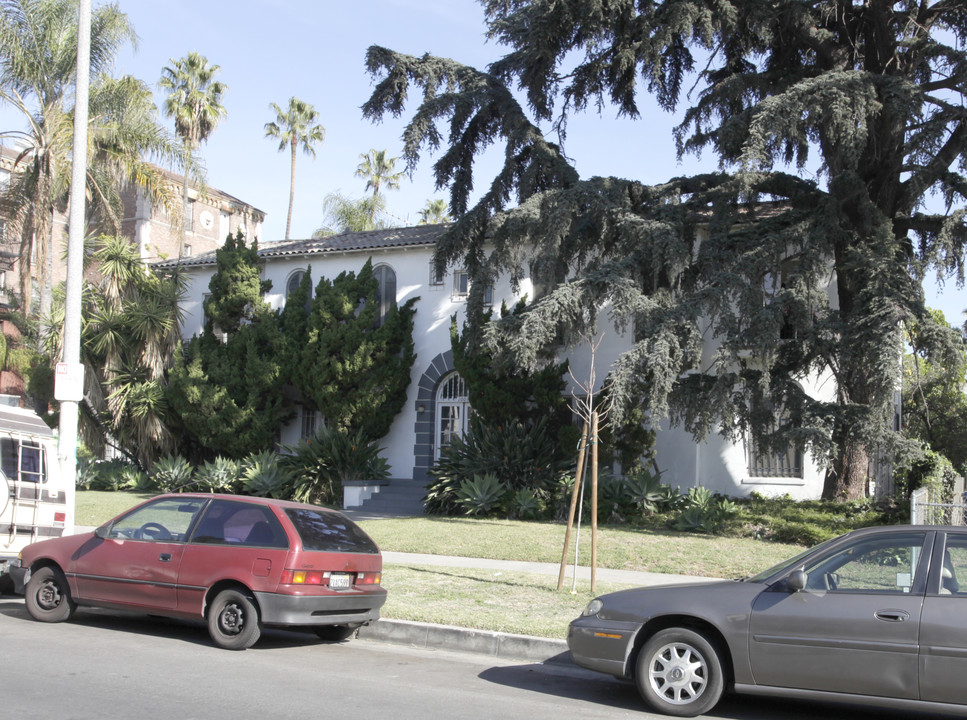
{"type": "Point", "coordinates": [69, 385]}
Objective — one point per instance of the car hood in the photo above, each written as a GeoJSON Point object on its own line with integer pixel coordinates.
{"type": "Point", "coordinates": [63, 549]}
{"type": "Point", "coordinates": [717, 602]}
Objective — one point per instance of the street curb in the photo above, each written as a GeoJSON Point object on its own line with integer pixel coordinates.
{"type": "Point", "coordinates": [481, 642]}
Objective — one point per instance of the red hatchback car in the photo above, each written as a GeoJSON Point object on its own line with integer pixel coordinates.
{"type": "Point", "coordinates": [237, 562]}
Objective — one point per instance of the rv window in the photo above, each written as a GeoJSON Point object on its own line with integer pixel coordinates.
{"type": "Point", "coordinates": [22, 460]}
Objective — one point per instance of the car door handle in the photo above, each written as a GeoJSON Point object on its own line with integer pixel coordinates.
{"type": "Point", "coordinates": [892, 615]}
{"type": "Point", "coordinates": [165, 557]}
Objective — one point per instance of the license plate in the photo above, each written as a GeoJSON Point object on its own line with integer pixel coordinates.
{"type": "Point", "coordinates": [340, 581]}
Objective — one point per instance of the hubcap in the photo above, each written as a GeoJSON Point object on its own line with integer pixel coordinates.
{"type": "Point", "coordinates": [232, 619]}
{"type": "Point", "coordinates": [678, 673]}
{"type": "Point", "coordinates": [48, 596]}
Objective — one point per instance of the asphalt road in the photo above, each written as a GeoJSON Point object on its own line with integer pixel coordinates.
{"type": "Point", "coordinates": [103, 665]}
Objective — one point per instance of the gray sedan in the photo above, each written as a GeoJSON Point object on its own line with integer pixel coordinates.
{"type": "Point", "coordinates": [875, 617]}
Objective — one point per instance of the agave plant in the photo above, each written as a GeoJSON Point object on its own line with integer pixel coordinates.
{"type": "Point", "coordinates": [482, 495]}
{"type": "Point", "coordinates": [264, 476]}
{"type": "Point", "coordinates": [220, 475]}
{"type": "Point", "coordinates": [171, 474]}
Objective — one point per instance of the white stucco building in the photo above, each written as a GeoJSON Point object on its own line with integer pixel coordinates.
{"type": "Point", "coordinates": [437, 404]}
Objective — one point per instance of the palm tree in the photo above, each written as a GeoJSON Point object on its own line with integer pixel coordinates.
{"type": "Point", "coordinates": [377, 169]}
{"type": "Point", "coordinates": [294, 127]}
{"type": "Point", "coordinates": [344, 214]}
{"type": "Point", "coordinates": [434, 212]}
{"type": "Point", "coordinates": [37, 75]}
{"type": "Point", "coordinates": [131, 321]}
{"type": "Point", "coordinates": [195, 102]}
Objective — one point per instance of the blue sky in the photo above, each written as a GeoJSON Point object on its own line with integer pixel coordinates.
{"type": "Point", "coordinates": [270, 50]}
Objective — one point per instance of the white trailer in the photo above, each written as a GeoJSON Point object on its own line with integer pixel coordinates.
{"type": "Point", "coordinates": [34, 504]}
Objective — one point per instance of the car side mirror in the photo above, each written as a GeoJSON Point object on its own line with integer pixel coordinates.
{"type": "Point", "coordinates": [796, 581]}
{"type": "Point", "coordinates": [102, 532]}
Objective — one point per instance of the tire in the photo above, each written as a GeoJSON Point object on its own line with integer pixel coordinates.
{"type": "Point", "coordinates": [48, 596]}
{"type": "Point", "coordinates": [679, 673]}
{"type": "Point", "coordinates": [233, 620]}
{"type": "Point", "coordinates": [6, 585]}
{"type": "Point", "coordinates": [335, 633]}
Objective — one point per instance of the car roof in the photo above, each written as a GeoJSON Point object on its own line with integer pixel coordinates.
{"type": "Point", "coordinates": [251, 499]}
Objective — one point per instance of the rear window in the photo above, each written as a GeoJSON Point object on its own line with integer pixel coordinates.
{"type": "Point", "coordinates": [325, 531]}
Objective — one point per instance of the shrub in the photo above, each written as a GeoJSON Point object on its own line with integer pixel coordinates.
{"type": "Point", "coordinates": [112, 475]}
{"type": "Point", "coordinates": [483, 495]}
{"type": "Point", "coordinates": [704, 512]}
{"type": "Point", "coordinates": [321, 464]}
{"type": "Point", "coordinates": [522, 456]}
{"type": "Point", "coordinates": [264, 476]}
{"type": "Point", "coordinates": [526, 504]}
{"type": "Point", "coordinates": [219, 475]}
{"type": "Point", "coordinates": [171, 474]}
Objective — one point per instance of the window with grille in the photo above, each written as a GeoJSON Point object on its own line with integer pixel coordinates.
{"type": "Point", "coordinates": [762, 463]}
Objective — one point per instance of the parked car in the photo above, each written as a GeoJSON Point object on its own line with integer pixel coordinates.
{"type": "Point", "coordinates": [875, 617]}
{"type": "Point", "coordinates": [239, 563]}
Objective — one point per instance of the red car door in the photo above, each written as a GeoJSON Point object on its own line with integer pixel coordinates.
{"type": "Point", "coordinates": [137, 564]}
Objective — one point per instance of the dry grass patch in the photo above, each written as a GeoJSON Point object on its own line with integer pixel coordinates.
{"type": "Point", "coordinates": [519, 603]}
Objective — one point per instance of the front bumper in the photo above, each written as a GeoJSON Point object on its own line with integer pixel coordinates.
{"type": "Point", "coordinates": [19, 575]}
{"type": "Point", "coordinates": [334, 609]}
{"type": "Point", "coordinates": [603, 646]}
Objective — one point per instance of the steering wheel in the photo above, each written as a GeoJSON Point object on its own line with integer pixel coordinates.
{"type": "Point", "coordinates": [154, 531]}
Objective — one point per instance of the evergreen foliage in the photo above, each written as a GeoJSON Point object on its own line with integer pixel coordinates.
{"type": "Point", "coordinates": [934, 403]}
{"type": "Point", "coordinates": [236, 287]}
{"type": "Point", "coordinates": [502, 391]}
{"type": "Point", "coordinates": [795, 276]}
{"type": "Point", "coordinates": [228, 396]}
{"type": "Point", "coordinates": [353, 370]}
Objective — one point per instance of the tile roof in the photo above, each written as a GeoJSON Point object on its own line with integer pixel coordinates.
{"type": "Point", "coordinates": [400, 237]}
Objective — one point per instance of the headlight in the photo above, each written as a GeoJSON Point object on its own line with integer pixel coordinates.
{"type": "Point", "coordinates": [593, 608]}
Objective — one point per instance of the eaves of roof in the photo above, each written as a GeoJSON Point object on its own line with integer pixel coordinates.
{"type": "Point", "coordinates": [390, 238]}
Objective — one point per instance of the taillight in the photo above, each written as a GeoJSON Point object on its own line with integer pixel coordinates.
{"type": "Point", "coordinates": [60, 517]}
{"type": "Point", "coordinates": [319, 577]}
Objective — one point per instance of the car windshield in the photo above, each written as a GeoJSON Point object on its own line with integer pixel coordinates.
{"type": "Point", "coordinates": [786, 564]}
{"type": "Point", "coordinates": [326, 531]}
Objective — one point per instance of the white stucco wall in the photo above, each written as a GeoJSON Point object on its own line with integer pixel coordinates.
{"type": "Point", "coordinates": [714, 463]}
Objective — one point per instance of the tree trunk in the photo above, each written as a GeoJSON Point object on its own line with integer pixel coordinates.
{"type": "Point", "coordinates": [846, 478]}
{"type": "Point", "coordinates": [288, 218]}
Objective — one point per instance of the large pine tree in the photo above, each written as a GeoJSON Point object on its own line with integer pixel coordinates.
{"type": "Point", "coordinates": [811, 277]}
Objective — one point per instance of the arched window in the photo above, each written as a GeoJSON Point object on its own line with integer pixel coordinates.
{"type": "Point", "coordinates": [292, 284]}
{"type": "Point", "coordinates": [453, 411]}
{"type": "Point", "coordinates": [387, 291]}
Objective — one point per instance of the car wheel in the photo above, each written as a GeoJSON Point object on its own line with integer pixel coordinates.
{"type": "Point", "coordinates": [679, 673]}
{"type": "Point", "coordinates": [48, 596]}
{"type": "Point", "coordinates": [233, 620]}
{"type": "Point", "coordinates": [335, 633]}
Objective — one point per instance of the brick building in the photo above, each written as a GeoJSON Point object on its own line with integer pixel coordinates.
{"type": "Point", "coordinates": [212, 215]}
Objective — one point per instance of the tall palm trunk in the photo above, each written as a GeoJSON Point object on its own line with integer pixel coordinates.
{"type": "Point", "coordinates": [288, 219]}
{"type": "Point", "coordinates": [184, 204]}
